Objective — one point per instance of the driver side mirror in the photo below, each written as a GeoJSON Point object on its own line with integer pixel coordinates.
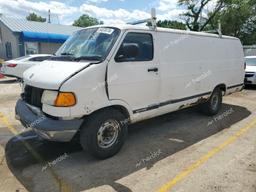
{"type": "Point", "coordinates": [127, 52]}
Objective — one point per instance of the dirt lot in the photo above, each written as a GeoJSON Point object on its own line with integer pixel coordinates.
{"type": "Point", "coordinates": [182, 152]}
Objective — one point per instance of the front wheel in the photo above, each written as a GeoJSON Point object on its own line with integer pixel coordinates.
{"type": "Point", "coordinates": [103, 134]}
{"type": "Point", "coordinates": [213, 105]}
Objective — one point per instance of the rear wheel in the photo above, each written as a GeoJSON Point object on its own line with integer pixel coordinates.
{"type": "Point", "coordinates": [213, 105]}
{"type": "Point", "coordinates": [103, 134]}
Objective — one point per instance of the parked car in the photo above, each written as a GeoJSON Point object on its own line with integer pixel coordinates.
{"type": "Point", "coordinates": [250, 75]}
{"type": "Point", "coordinates": [104, 77]}
{"type": "Point", "coordinates": [16, 67]}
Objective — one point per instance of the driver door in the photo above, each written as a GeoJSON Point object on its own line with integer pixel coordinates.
{"type": "Point", "coordinates": [135, 80]}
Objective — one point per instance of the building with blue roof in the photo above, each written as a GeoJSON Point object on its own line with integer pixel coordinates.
{"type": "Point", "coordinates": [19, 37]}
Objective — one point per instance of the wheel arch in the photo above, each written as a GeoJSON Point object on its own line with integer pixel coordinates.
{"type": "Point", "coordinates": [222, 87]}
{"type": "Point", "coordinates": [117, 107]}
{"type": "Point", "coordinates": [122, 109]}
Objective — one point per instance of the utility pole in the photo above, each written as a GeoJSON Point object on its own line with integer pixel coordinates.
{"type": "Point", "coordinates": [49, 16]}
{"type": "Point", "coordinates": [219, 28]}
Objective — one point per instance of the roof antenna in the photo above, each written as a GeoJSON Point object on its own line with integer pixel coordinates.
{"type": "Point", "coordinates": [152, 20]}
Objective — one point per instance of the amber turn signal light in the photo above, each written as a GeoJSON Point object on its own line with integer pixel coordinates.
{"type": "Point", "coordinates": [65, 100]}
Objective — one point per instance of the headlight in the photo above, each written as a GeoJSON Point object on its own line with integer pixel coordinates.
{"type": "Point", "coordinates": [58, 99]}
{"type": "Point", "coordinates": [49, 97]}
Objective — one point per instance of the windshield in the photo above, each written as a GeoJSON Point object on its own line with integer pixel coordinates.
{"type": "Point", "coordinates": [89, 44]}
{"type": "Point", "coordinates": [251, 61]}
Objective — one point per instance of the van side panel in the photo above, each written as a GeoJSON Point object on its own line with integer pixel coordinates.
{"type": "Point", "coordinates": [193, 65]}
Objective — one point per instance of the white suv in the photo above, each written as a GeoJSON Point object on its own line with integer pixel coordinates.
{"type": "Point", "coordinates": [250, 75]}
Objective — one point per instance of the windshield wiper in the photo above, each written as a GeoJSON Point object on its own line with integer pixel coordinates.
{"type": "Point", "coordinates": [90, 58]}
{"type": "Point", "coordinates": [61, 58]}
{"type": "Point", "coordinates": [66, 53]}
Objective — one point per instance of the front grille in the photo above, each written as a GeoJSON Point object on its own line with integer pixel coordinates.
{"type": "Point", "coordinates": [248, 74]}
{"type": "Point", "coordinates": [33, 95]}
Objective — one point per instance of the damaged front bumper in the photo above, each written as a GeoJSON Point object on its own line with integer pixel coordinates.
{"type": "Point", "coordinates": [46, 127]}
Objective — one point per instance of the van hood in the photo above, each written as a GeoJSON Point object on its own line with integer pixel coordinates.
{"type": "Point", "coordinates": [250, 68]}
{"type": "Point", "coordinates": [51, 74]}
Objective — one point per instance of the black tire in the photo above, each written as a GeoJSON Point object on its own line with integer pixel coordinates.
{"type": "Point", "coordinates": [213, 105]}
{"type": "Point", "coordinates": [101, 126]}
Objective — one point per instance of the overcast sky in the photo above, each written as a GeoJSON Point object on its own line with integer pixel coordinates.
{"type": "Point", "coordinates": [109, 11]}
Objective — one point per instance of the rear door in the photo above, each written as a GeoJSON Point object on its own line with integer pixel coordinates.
{"type": "Point", "coordinates": [136, 80]}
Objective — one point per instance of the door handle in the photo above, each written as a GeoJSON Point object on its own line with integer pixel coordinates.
{"type": "Point", "coordinates": [153, 69]}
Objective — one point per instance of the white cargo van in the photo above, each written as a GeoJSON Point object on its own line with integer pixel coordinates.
{"type": "Point", "coordinates": [105, 77]}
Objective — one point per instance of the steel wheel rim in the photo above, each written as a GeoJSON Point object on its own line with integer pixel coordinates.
{"type": "Point", "coordinates": [108, 133]}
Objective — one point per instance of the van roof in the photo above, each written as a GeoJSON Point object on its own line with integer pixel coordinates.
{"type": "Point", "coordinates": [166, 30]}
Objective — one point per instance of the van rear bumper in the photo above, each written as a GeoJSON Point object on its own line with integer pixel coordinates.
{"type": "Point", "coordinates": [45, 127]}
